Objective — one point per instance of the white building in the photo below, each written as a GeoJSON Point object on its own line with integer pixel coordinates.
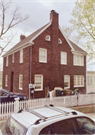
{"type": "Point", "coordinates": [91, 78]}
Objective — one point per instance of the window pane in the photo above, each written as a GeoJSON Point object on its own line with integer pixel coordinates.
{"type": "Point", "coordinates": [42, 55]}
{"type": "Point", "coordinates": [38, 82]}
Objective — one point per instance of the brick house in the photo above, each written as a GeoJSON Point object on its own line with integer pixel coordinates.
{"type": "Point", "coordinates": [44, 58]}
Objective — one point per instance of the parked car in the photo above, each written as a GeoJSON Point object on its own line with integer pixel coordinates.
{"type": "Point", "coordinates": [6, 96]}
{"type": "Point", "coordinates": [48, 120]}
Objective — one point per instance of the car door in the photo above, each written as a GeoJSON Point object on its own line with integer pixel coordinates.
{"type": "Point", "coordinates": [3, 97]}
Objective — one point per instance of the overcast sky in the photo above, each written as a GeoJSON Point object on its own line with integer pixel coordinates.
{"type": "Point", "coordinates": [39, 15]}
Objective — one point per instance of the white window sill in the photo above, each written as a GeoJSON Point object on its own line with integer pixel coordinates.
{"type": "Point", "coordinates": [38, 90]}
{"type": "Point", "coordinates": [64, 64]}
{"type": "Point", "coordinates": [43, 61]}
{"type": "Point", "coordinates": [66, 87]}
{"type": "Point", "coordinates": [20, 89]}
{"type": "Point", "coordinates": [79, 86]}
{"type": "Point", "coordinates": [78, 65]}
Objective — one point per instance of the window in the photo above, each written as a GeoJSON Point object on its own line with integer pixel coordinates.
{"type": "Point", "coordinates": [47, 38]}
{"type": "Point", "coordinates": [86, 126]}
{"type": "Point", "coordinates": [13, 58]}
{"type": "Point", "coordinates": [21, 56]}
{"type": "Point", "coordinates": [20, 81]}
{"type": "Point", "coordinates": [89, 80]}
{"type": "Point", "coordinates": [78, 81]}
{"type": "Point", "coordinates": [7, 61]}
{"type": "Point", "coordinates": [38, 82]}
{"type": "Point", "coordinates": [59, 41]}
{"type": "Point", "coordinates": [67, 126]}
{"type": "Point", "coordinates": [42, 55]}
{"type": "Point", "coordinates": [66, 81]}
{"type": "Point", "coordinates": [6, 80]}
{"type": "Point", "coordinates": [78, 60]}
{"type": "Point", "coordinates": [63, 58]}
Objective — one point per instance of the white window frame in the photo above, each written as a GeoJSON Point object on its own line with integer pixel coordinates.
{"type": "Point", "coordinates": [63, 58]}
{"type": "Point", "coordinates": [21, 56]}
{"type": "Point", "coordinates": [59, 41]}
{"type": "Point", "coordinates": [47, 38]}
{"type": "Point", "coordinates": [67, 77]}
{"type": "Point", "coordinates": [78, 60]}
{"type": "Point", "coordinates": [20, 81]}
{"type": "Point", "coordinates": [6, 80]}
{"type": "Point", "coordinates": [7, 61]}
{"type": "Point", "coordinates": [13, 58]}
{"type": "Point", "coordinates": [37, 81]}
{"type": "Point", "coordinates": [80, 77]}
{"type": "Point", "coordinates": [40, 55]}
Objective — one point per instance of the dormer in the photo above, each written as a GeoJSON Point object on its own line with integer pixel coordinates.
{"type": "Point", "coordinates": [47, 38]}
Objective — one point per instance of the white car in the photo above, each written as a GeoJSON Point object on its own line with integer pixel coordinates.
{"type": "Point", "coordinates": [48, 120]}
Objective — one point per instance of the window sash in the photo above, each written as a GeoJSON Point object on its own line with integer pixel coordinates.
{"type": "Point", "coordinates": [63, 58]}
{"type": "Point", "coordinates": [21, 81]}
{"type": "Point", "coordinates": [38, 82]}
{"type": "Point", "coordinates": [78, 60]}
{"type": "Point", "coordinates": [13, 58]}
{"type": "Point", "coordinates": [78, 81]}
{"type": "Point", "coordinates": [21, 56]}
{"type": "Point", "coordinates": [66, 81]}
{"type": "Point", "coordinates": [43, 55]}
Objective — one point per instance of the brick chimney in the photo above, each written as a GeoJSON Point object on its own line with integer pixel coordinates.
{"type": "Point", "coordinates": [22, 37]}
{"type": "Point", "coordinates": [54, 17]}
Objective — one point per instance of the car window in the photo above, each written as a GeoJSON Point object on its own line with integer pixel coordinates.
{"type": "Point", "coordinates": [62, 127]}
{"type": "Point", "coordinates": [12, 127]}
{"type": "Point", "coordinates": [86, 126]}
{"type": "Point", "coordinates": [2, 93]}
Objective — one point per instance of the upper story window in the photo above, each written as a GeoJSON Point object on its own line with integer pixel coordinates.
{"type": "Point", "coordinates": [21, 56]}
{"type": "Point", "coordinates": [47, 38]}
{"type": "Point", "coordinates": [6, 80]}
{"type": "Point", "coordinates": [21, 81]}
{"type": "Point", "coordinates": [38, 82]}
{"type": "Point", "coordinates": [13, 58]}
{"type": "Point", "coordinates": [66, 81]}
{"type": "Point", "coordinates": [59, 41]}
{"type": "Point", "coordinates": [63, 58]}
{"type": "Point", "coordinates": [78, 81]}
{"type": "Point", "coordinates": [78, 60]}
{"type": "Point", "coordinates": [7, 61]}
{"type": "Point", "coordinates": [42, 55]}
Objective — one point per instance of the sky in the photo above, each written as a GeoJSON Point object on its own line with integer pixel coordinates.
{"type": "Point", "coordinates": [39, 15]}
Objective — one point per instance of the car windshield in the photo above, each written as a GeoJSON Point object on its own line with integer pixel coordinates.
{"type": "Point", "coordinates": [12, 127]}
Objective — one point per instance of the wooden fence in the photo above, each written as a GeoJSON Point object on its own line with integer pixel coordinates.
{"type": "Point", "coordinates": [66, 101]}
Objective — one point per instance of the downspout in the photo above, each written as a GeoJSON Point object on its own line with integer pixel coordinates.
{"type": "Point", "coordinates": [30, 65]}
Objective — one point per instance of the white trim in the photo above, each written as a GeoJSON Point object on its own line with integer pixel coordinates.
{"type": "Point", "coordinates": [76, 62]}
{"type": "Point", "coordinates": [80, 81]}
{"type": "Point", "coordinates": [62, 63]}
{"type": "Point", "coordinates": [47, 38]}
{"type": "Point", "coordinates": [41, 81]}
{"type": "Point", "coordinates": [21, 56]}
{"type": "Point", "coordinates": [69, 81]}
{"type": "Point", "coordinates": [20, 75]}
{"type": "Point", "coordinates": [78, 52]}
{"type": "Point", "coordinates": [13, 58]}
{"type": "Point", "coordinates": [72, 49]}
{"type": "Point", "coordinates": [30, 41]}
{"type": "Point", "coordinates": [40, 32]}
{"type": "Point", "coordinates": [41, 61]}
{"type": "Point", "coordinates": [18, 48]}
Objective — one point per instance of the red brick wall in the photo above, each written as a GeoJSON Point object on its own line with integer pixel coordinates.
{"type": "Point", "coordinates": [53, 72]}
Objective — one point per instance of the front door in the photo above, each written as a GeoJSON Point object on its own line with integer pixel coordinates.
{"type": "Point", "coordinates": [12, 81]}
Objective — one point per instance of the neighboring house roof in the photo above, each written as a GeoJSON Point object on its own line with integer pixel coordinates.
{"type": "Point", "coordinates": [28, 41]}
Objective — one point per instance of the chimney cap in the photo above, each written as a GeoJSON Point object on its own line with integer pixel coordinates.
{"type": "Point", "coordinates": [53, 11]}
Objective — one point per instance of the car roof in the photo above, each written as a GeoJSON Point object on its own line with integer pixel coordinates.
{"type": "Point", "coordinates": [34, 116]}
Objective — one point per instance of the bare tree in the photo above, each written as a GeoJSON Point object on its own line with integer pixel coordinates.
{"type": "Point", "coordinates": [6, 25]}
